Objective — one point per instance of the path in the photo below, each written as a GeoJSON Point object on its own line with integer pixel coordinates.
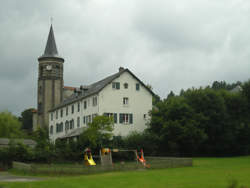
{"type": "Point", "coordinates": [6, 177]}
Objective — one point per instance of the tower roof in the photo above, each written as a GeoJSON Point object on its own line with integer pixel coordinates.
{"type": "Point", "coordinates": [50, 49]}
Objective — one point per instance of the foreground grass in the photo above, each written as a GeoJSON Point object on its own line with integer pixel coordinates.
{"type": "Point", "coordinates": [206, 173]}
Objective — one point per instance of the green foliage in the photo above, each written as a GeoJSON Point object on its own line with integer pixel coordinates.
{"type": "Point", "coordinates": [210, 121]}
{"type": "Point", "coordinates": [98, 132]}
{"type": "Point", "coordinates": [9, 126]}
{"type": "Point", "coordinates": [27, 119]}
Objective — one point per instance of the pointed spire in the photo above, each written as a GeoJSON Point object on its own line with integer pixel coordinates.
{"type": "Point", "coordinates": [50, 49]}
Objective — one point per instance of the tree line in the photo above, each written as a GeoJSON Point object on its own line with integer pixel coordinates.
{"type": "Point", "coordinates": [210, 121]}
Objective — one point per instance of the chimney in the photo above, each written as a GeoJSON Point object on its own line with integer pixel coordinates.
{"type": "Point", "coordinates": [121, 69]}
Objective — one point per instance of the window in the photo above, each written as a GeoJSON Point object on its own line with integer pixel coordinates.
{"type": "Point", "coordinates": [84, 120]}
{"type": "Point", "coordinates": [144, 116]}
{"type": "Point", "coordinates": [126, 85]}
{"type": "Point", "coordinates": [94, 101]}
{"type": "Point", "coordinates": [85, 104]}
{"type": "Point", "coordinates": [78, 121]}
{"type": "Point", "coordinates": [72, 109]}
{"type": "Point", "coordinates": [66, 125]}
{"type": "Point", "coordinates": [78, 107]}
{"type": "Point", "coordinates": [67, 110]}
{"type": "Point", "coordinates": [113, 115]}
{"type": "Point", "coordinates": [61, 112]}
{"type": "Point", "coordinates": [40, 110]}
{"type": "Point", "coordinates": [116, 85]}
{"type": "Point", "coordinates": [59, 127]}
{"type": "Point", "coordinates": [126, 118]}
{"type": "Point", "coordinates": [93, 116]}
{"type": "Point", "coordinates": [51, 115]}
{"type": "Point", "coordinates": [56, 114]}
{"type": "Point", "coordinates": [71, 124]}
{"type": "Point", "coordinates": [88, 119]}
{"type": "Point", "coordinates": [125, 101]}
{"type": "Point", "coordinates": [137, 86]}
{"type": "Point", "coordinates": [51, 129]}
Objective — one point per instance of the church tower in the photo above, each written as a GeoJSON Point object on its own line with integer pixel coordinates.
{"type": "Point", "coordinates": [50, 80]}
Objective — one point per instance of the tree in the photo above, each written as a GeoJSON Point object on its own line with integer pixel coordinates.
{"type": "Point", "coordinates": [99, 131]}
{"type": "Point", "coordinates": [171, 94]}
{"type": "Point", "coordinates": [27, 119]}
{"type": "Point", "coordinates": [9, 126]}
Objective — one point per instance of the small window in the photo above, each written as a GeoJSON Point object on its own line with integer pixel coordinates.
{"type": "Point", "coordinates": [137, 87]}
{"type": "Point", "coordinates": [61, 112]}
{"type": "Point", "coordinates": [78, 107]}
{"type": "Point", "coordinates": [51, 129]}
{"type": "Point", "coordinates": [51, 115]}
{"type": "Point", "coordinates": [83, 119]}
{"type": "Point", "coordinates": [40, 108]}
{"type": "Point", "coordinates": [67, 110]}
{"type": "Point", "coordinates": [85, 104]}
{"type": "Point", "coordinates": [66, 125]}
{"type": "Point", "coordinates": [71, 124]}
{"type": "Point", "coordinates": [78, 121]}
{"type": "Point", "coordinates": [61, 127]}
{"type": "Point", "coordinates": [56, 114]}
{"type": "Point", "coordinates": [126, 85]}
{"type": "Point", "coordinates": [144, 116]}
{"type": "Point", "coordinates": [125, 101]}
{"type": "Point", "coordinates": [116, 85]}
{"type": "Point", "coordinates": [94, 101]}
{"type": "Point", "coordinates": [72, 109]}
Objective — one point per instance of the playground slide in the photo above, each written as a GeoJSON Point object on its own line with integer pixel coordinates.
{"type": "Point", "coordinates": [91, 161]}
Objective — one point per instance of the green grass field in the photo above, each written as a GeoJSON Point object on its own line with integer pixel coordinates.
{"type": "Point", "coordinates": [205, 173]}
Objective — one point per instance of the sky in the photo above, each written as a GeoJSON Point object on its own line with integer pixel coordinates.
{"type": "Point", "coordinates": [169, 44]}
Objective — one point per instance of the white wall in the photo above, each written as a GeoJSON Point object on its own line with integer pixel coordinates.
{"type": "Point", "coordinates": [110, 100]}
{"type": "Point", "coordinates": [140, 103]}
{"type": "Point", "coordinates": [83, 112]}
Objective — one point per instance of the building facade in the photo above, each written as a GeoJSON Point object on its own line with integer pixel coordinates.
{"type": "Point", "coordinates": [66, 111]}
{"type": "Point", "coordinates": [122, 96]}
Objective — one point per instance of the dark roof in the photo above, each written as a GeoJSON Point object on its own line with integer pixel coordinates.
{"type": "Point", "coordinates": [96, 87]}
{"type": "Point", "coordinates": [51, 49]}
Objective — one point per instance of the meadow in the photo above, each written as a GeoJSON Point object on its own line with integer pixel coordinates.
{"type": "Point", "coordinates": [205, 173]}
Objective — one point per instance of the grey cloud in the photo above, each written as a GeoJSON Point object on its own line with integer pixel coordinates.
{"type": "Point", "coordinates": [168, 44]}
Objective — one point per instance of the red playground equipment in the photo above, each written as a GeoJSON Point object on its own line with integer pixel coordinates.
{"type": "Point", "coordinates": [142, 159]}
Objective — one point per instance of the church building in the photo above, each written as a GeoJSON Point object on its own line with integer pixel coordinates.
{"type": "Point", "coordinates": [66, 111]}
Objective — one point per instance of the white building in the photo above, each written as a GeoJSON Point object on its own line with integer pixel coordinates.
{"type": "Point", "coordinates": [121, 95]}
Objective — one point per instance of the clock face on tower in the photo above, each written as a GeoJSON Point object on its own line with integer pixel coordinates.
{"type": "Point", "coordinates": [49, 67]}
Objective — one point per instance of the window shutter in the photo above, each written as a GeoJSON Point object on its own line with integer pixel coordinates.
{"type": "Point", "coordinates": [131, 118]}
{"type": "Point", "coordinates": [121, 118]}
{"type": "Point", "coordinates": [115, 117]}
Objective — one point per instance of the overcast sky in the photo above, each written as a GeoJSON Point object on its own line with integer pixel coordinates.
{"type": "Point", "coordinates": [169, 44]}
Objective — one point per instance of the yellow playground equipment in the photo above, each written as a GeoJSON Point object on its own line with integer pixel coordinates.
{"type": "Point", "coordinates": [88, 158]}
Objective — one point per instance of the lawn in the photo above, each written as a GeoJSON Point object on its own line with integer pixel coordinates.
{"type": "Point", "coordinates": [205, 173]}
